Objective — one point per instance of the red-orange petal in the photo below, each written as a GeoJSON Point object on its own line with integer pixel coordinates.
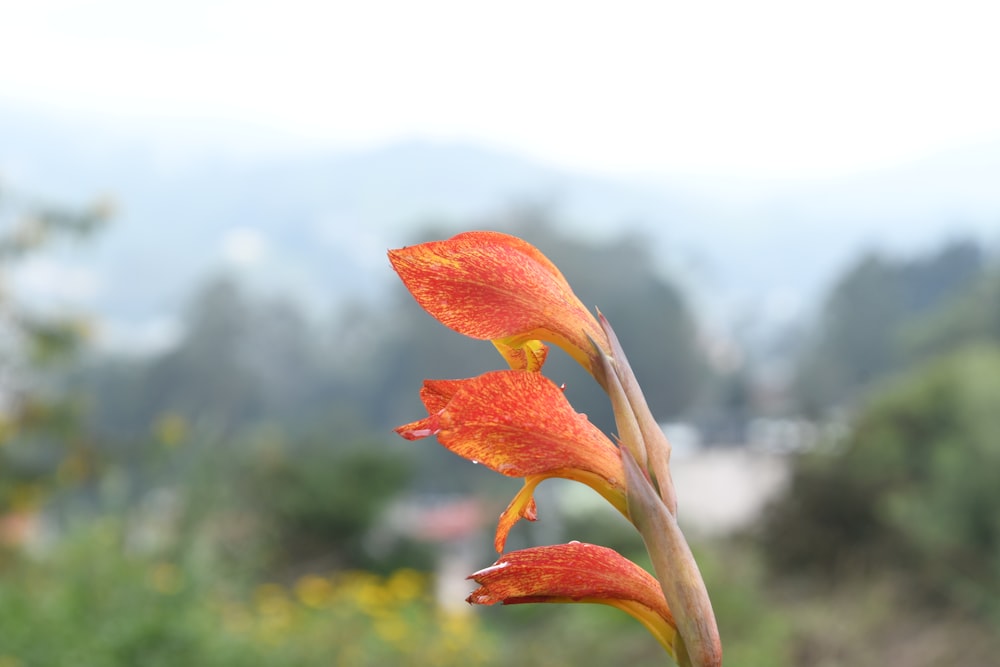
{"type": "Point", "coordinates": [435, 394]}
{"type": "Point", "coordinates": [520, 424]}
{"type": "Point", "coordinates": [494, 286]}
{"type": "Point", "coordinates": [577, 572]}
{"type": "Point", "coordinates": [517, 423]}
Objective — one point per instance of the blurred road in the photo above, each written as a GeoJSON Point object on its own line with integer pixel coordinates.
{"type": "Point", "coordinates": [723, 489]}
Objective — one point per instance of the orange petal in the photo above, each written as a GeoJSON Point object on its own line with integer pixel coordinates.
{"type": "Point", "coordinates": [494, 286]}
{"type": "Point", "coordinates": [520, 424]}
{"type": "Point", "coordinates": [578, 572]}
{"type": "Point", "coordinates": [435, 394]}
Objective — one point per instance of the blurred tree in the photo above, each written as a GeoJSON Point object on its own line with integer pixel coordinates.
{"type": "Point", "coordinates": [913, 489]}
{"type": "Point", "coordinates": [973, 316]}
{"type": "Point", "coordinates": [38, 436]}
{"type": "Point", "coordinates": [242, 360]}
{"type": "Point", "coordinates": [93, 600]}
{"type": "Point", "coordinates": [318, 501]}
{"type": "Point", "coordinates": [859, 338]}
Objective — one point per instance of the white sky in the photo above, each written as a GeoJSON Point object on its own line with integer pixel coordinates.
{"type": "Point", "coordinates": [783, 87]}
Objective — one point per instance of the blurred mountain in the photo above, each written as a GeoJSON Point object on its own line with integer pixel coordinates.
{"type": "Point", "coordinates": [317, 223]}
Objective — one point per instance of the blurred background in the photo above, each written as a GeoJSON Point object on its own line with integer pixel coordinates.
{"type": "Point", "coordinates": [790, 213]}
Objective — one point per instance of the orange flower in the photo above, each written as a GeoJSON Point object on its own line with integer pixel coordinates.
{"type": "Point", "coordinates": [578, 572]}
{"type": "Point", "coordinates": [520, 424]}
{"type": "Point", "coordinates": [496, 287]}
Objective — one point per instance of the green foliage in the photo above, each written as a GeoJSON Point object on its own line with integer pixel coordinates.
{"type": "Point", "coordinates": [94, 601]}
{"type": "Point", "coordinates": [318, 502]}
{"type": "Point", "coordinates": [871, 623]}
{"type": "Point", "coordinates": [973, 316]}
{"type": "Point", "coordinates": [913, 489]}
{"type": "Point", "coordinates": [102, 608]}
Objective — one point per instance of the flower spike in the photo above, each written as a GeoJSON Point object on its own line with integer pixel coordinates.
{"type": "Point", "coordinates": [497, 287]}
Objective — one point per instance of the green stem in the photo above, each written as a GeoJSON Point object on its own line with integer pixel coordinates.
{"type": "Point", "coordinates": [676, 570]}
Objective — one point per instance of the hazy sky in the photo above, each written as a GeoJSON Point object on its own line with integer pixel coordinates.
{"type": "Point", "coordinates": [790, 88]}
